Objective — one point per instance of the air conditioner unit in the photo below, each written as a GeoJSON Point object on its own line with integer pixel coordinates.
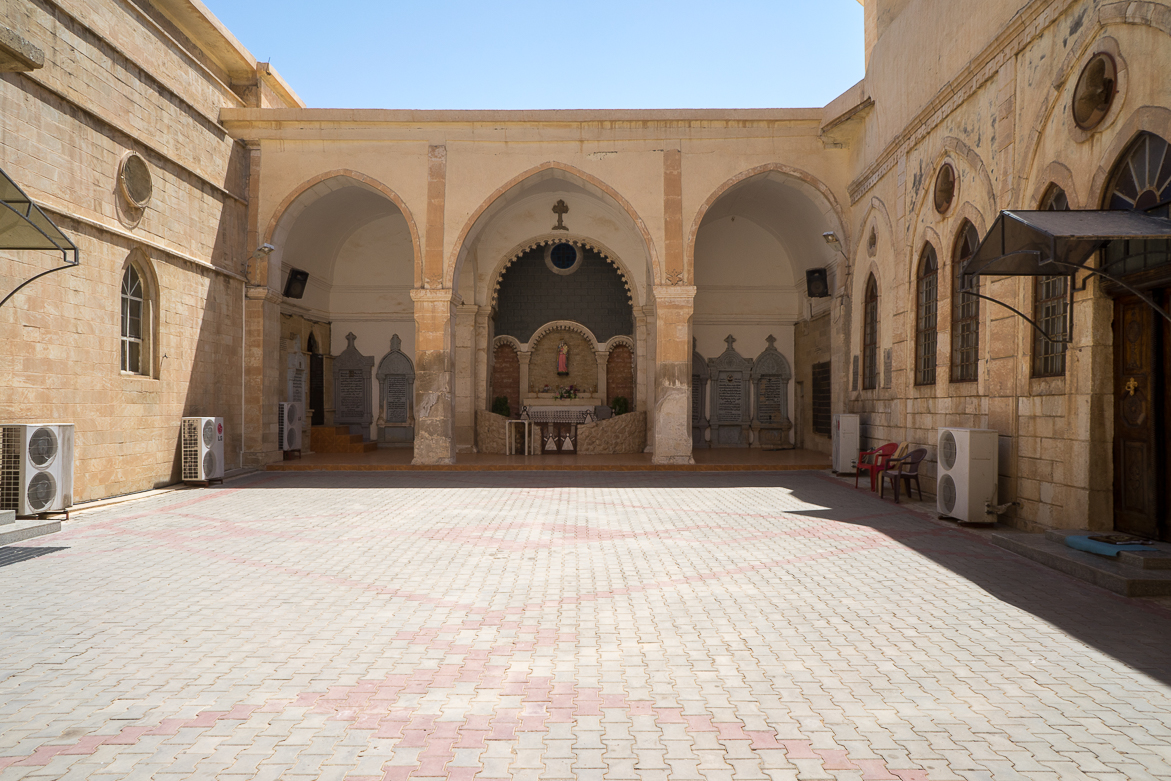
{"type": "Point", "coordinates": [967, 479]}
{"type": "Point", "coordinates": [289, 420]}
{"type": "Point", "coordinates": [203, 449]}
{"type": "Point", "coordinates": [36, 468]}
{"type": "Point", "coordinates": [847, 434]}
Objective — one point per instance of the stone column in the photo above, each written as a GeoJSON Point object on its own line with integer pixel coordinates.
{"type": "Point", "coordinates": [483, 338]}
{"type": "Point", "coordinates": [674, 306]}
{"type": "Point", "coordinates": [523, 357]}
{"type": "Point", "coordinates": [603, 358]}
{"type": "Point", "coordinates": [434, 318]}
{"type": "Point", "coordinates": [262, 377]}
{"type": "Point", "coordinates": [465, 377]}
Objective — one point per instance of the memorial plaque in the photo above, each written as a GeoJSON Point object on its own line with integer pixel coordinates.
{"type": "Point", "coordinates": [352, 400]}
{"type": "Point", "coordinates": [396, 381]}
{"type": "Point", "coordinates": [696, 398]}
{"type": "Point", "coordinates": [297, 386]}
{"type": "Point", "coordinates": [769, 405]}
{"type": "Point", "coordinates": [397, 406]}
{"type": "Point", "coordinates": [730, 398]}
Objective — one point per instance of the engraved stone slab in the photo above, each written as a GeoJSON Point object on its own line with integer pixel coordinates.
{"type": "Point", "coordinates": [396, 380]}
{"type": "Point", "coordinates": [731, 397]}
{"type": "Point", "coordinates": [295, 373]}
{"type": "Point", "coordinates": [771, 375]}
{"type": "Point", "coordinates": [352, 399]}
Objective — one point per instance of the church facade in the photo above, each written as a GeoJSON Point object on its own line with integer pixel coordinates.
{"type": "Point", "coordinates": [451, 265]}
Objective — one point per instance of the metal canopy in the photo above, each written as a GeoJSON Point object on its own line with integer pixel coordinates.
{"type": "Point", "coordinates": [1052, 243]}
{"type": "Point", "coordinates": [24, 226]}
{"type": "Point", "coordinates": [1047, 243]}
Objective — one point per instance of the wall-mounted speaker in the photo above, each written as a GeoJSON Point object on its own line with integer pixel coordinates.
{"type": "Point", "coordinates": [817, 283]}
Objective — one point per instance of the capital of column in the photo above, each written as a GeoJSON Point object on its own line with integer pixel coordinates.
{"type": "Point", "coordinates": [438, 295]}
{"type": "Point", "coordinates": [673, 296]}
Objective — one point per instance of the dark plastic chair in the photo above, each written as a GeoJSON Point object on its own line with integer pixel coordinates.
{"type": "Point", "coordinates": [908, 470]}
{"type": "Point", "coordinates": [874, 461]}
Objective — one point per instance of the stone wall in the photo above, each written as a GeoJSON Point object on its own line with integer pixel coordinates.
{"type": "Point", "coordinates": [491, 431]}
{"type": "Point", "coordinates": [620, 375]}
{"type": "Point", "coordinates": [116, 82]}
{"type": "Point", "coordinates": [506, 377]}
{"type": "Point", "coordinates": [583, 363]}
{"type": "Point", "coordinates": [621, 434]}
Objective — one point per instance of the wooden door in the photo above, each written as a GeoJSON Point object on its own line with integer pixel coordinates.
{"type": "Point", "coordinates": [1140, 381]}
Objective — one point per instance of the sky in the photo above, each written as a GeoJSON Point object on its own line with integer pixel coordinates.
{"type": "Point", "coordinates": [522, 54]}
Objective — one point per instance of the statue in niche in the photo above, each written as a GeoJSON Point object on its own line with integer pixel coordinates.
{"type": "Point", "coordinates": [562, 359]}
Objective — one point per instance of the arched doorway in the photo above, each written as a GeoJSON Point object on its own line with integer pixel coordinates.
{"type": "Point", "coordinates": [1141, 181]}
{"type": "Point", "coordinates": [557, 249]}
{"type": "Point", "coordinates": [358, 246]}
{"type": "Point", "coordinates": [752, 248]}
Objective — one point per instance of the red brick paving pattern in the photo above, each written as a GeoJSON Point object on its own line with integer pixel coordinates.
{"type": "Point", "coordinates": [649, 632]}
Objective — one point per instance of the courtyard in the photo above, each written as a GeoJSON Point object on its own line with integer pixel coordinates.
{"type": "Point", "coordinates": [560, 625]}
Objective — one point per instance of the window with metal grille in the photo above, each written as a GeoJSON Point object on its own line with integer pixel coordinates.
{"type": "Point", "coordinates": [132, 316]}
{"type": "Point", "coordinates": [926, 321]}
{"type": "Point", "coordinates": [965, 311]}
{"type": "Point", "coordinates": [1051, 305]}
{"type": "Point", "coordinates": [822, 418]}
{"type": "Point", "coordinates": [870, 336]}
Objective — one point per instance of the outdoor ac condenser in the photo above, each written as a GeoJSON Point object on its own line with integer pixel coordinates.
{"type": "Point", "coordinates": [847, 434]}
{"type": "Point", "coordinates": [203, 449]}
{"type": "Point", "coordinates": [289, 422]}
{"type": "Point", "coordinates": [36, 467]}
{"type": "Point", "coordinates": [968, 467]}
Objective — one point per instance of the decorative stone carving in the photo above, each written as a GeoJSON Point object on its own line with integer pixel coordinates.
{"type": "Point", "coordinates": [351, 386]}
{"type": "Point", "coordinates": [731, 416]}
{"type": "Point", "coordinates": [699, 386]}
{"type": "Point", "coordinates": [396, 396]}
{"type": "Point", "coordinates": [771, 375]}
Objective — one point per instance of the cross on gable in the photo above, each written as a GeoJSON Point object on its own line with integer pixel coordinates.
{"type": "Point", "coordinates": [731, 340]}
{"type": "Point", "coordinates": [772, 341]}
{"type": "Point", "coordinates": [560, 209]}
{"type": "Point", "coordinates": [350, 339]}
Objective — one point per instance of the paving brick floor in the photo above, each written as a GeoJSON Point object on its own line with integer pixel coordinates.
{"type": "Point", "coordinates": [562, 625]}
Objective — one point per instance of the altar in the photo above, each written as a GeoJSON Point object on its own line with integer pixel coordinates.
{"type": "Point", "coordinates": [559, 418]}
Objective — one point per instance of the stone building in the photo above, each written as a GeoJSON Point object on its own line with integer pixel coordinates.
{"type": "Point", "coordinates": [664, 251]}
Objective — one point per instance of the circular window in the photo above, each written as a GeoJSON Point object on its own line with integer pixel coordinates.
{"type": "Point", "coordinates": [1095, 90]}
{"type": "Point", "coordinates": [945, 188]}
{"type": "Point", "coordinates": [563, 258]}
{"type": "Point", "coordinates": [135, 181]}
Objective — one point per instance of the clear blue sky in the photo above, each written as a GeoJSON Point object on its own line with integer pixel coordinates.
{"type": "Point", "coordinates": [454, 54]}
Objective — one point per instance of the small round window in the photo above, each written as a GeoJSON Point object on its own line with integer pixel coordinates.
{"type": "Point", "coordinates": [563, 258]}
{"type": "Point", "coordinates": [945, 188]}
{"type": "Point", "coordinates": [1094, 93]}
{"type": "Point", "coordinates": [135, 181]}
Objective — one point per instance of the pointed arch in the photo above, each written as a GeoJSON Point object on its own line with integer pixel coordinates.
{"type": "Point", "coordinates": [787, 170]}
{"type": "Point", "coordinates": [456, 259]}
{"type": "Point", "coordinates": [284, 217]}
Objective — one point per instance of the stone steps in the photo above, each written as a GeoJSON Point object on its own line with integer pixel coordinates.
{"type": "Point", "coordinates": [1130, 574]}
{"type": "Point", "coordinates": [338, 439]}
{"type": "Point", "coordinates": [12, 530]}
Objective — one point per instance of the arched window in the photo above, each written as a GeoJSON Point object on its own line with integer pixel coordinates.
{"type": "Point", "coordinates": [926, 319]}
{"type": "Point", "coordinates": [1141, 182]}
{"type": "Point", "coordinates": [1051, 305]}
{"type": "Point", "coordinates": [870, 336]}
{"type": "Point", "coordinates": [965, 310]}
{"type": "Point", "coordinates": [135, 323]}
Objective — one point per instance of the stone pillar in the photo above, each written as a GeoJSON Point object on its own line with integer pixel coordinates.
{"type": "Point", "coordinates": [523, 357]}
{"type": "Point", "coordinates": [674, 306]}
{"type": "Point", "coordinates": [465, 377]}
{"type": "Point", "coordinates": [434, 319]}
{"type": "Point", "coordinates": [603, 358]}
{"type": "Point", "coordinates": [262, 376]}
{"type": "Point", "coordinates": [483, 338]}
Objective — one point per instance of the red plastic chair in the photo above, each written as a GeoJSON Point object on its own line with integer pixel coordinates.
{"type": "Point", "coordinates": [874, 461]}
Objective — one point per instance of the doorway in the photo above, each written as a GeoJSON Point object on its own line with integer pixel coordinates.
{"type": "Point", "coordinates": [1142, 361]}
{"type": "Point", "coordinates": [317, 388]}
